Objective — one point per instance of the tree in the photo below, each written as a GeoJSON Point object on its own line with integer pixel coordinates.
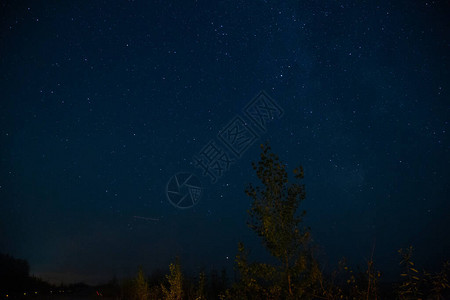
{"type": "Point", "coordinates": [140, 286]}
{"type": "Point", "coordinates": [417, 283]}
{"type": "Point", "coordinates": [14, 273]}
{"type": "Point", "coordinates": [175, 280]}
{"type": "Point", "coordinates": [273, 216]}
{"type": "Point", "coordinates": [410, 288]}
{"type": "Point", "coordinates": [201, 289]}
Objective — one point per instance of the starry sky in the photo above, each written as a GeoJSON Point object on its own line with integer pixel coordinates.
{"type": "Point", "coordinates": [103, 102]}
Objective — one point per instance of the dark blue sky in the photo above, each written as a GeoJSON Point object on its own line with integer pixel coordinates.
{"type": "Point", "coordinates": [103, 102]}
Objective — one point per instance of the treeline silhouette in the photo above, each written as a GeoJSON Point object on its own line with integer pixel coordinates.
{"type": "Point", "coordinates": [293, 273]}
{"type": "Point", "coordinates": [15, 279]}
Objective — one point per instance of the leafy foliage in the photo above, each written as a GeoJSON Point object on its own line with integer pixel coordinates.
{"type": "Point", "coordinates": [201, 289]}
{"type": "Point", "coordinates": [274, 218]}
{"type": "Point", "coordinates": [417, 284]}
{"type": "Point", "coordinates": [439, 283]}
{"type": "Point", "coordinates": [409, 289]}
{"type": "Point", "coordinates": [175, 280]}
{"type": "Point", "coordinates": [140, 286]}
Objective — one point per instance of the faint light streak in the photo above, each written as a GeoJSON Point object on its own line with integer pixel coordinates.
{"type": "Point", "coordinates": [146, 218]}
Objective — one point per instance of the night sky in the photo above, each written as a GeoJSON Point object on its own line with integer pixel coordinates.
{"type": "Point", "coordinates": [102, 102]}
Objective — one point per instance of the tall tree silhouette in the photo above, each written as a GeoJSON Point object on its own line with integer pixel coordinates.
{"type": "Point", "coordinates": [14, 273]}
{"type": "Point", "coordinates": [175, 280]}
{"type": "Point", "coordinates": [141, 289]}
{"type": "Point", "coordinates": [273, 216]}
